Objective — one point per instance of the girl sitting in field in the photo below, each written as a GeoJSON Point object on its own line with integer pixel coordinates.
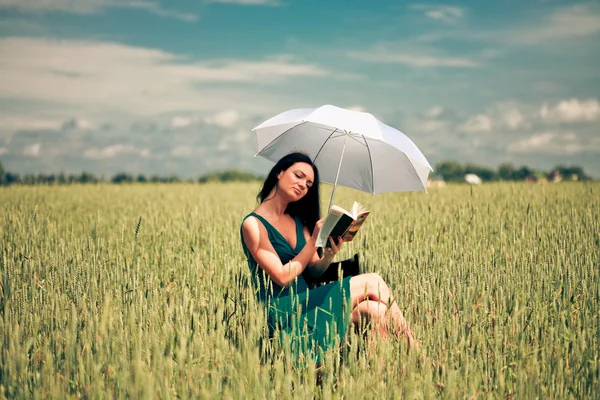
{"type": "Point", "coordinates": [279, 239]}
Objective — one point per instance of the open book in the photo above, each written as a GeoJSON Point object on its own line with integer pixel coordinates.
{"type": "Point", "coordinates": [340, 222]}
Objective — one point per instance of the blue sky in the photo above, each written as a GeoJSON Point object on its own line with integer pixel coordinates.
{"type": "Point", "coordinates": [175, 87]}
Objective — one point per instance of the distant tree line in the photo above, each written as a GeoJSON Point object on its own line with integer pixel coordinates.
{"type": "Point", "coordinates": [11, 178]}
{"type": "Point", "coordinates": [450, 171]}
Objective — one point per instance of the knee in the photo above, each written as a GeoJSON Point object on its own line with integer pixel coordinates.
{"type": "Point", "coordinates": [374, 277]}
{"type": "Point", "coordinates": [376, 284]}
{"type": "Point", "coordinates": [369, 286]}
{"type": "Point", "coordinates": [371, 311]}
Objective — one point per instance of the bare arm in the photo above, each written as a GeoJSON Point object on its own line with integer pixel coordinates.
{"type": "Point", "coordinates": [257, 240]}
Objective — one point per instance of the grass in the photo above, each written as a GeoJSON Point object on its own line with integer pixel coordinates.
{"type": "Point", "coordinates": [142, 291]}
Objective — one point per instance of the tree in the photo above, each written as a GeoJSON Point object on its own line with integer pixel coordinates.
{"type": "Point", "coordinates": [86, 177]}
{"type": "Point", "coordinates": [122, 178]}
{"type": "Point", "coordinates": [2, 175]}
{"type": "Point", "coordinates": [506, 171]}
{"type": "Point", "coordinates": [29, 179]}
{"type": "Point", "coordinates": [522, 173]}
{"type": "Point", "coordinates": [11, 178]}
{"type": "Point", "coordinates": [61, 179]}
{"type": "Point", "coordinates": [155, 178]}
{"type": "Point", "coordinates": [45, 179]}
{"type": "Point", "coordinates": [486, 174]}
{"type": "Point", "coordinates": [231, 175]}
{"type": "Point", "coordinates": [571, 171]}
{"type": "Point", "coordinates": [451, 171]}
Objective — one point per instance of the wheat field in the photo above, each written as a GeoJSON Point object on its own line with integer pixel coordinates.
{"type": "Point", "coordinates": [141, 291]}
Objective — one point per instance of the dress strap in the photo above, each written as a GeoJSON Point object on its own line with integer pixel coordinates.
{"type": "Point", "coordinates": [274, 232]}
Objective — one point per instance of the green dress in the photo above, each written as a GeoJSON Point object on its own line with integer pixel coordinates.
{"type": "Point", "coordinates": [316, 319]}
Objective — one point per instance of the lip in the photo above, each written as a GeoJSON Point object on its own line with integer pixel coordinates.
{"type": "Point", "coordinates": [298, 191]}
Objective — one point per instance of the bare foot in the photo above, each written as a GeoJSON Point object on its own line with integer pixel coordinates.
{"type": "Point", "coordinates": [413, 344]}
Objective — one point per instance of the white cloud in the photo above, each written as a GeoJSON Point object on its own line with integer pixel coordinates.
{"type": "Point", "coordinates": [91, 7]}
{"type": "Point", "coordinates": [531, 143]}
{"type": "Point", "coordinates": [182, 151]}
{"type": "Point", "coordinates": [40, 6]}
{"type": "Point", "coordinates": [432, 126]}
{"type": "Point", "coordinates": [548, 87]}
{"type": "Point", "coordinates": [491, 53]}
{"type": "Point", "coordinates": [33, 150]}
{"type": "Point", "coordinates": [572, 110]}
{"type": "Point", "coordinates": [564, 23]}
{"type": "Point", "coordinates": [113, 151]}
{"type": "Point", "coordinates": [247, 2]}
{"type": "Point", "coordinates": [156, 9]}
{"type": "Point", "coordinates": [511, 116]}
{"type": "Point", "coordinates": [235, 141]}
{"type": "Point", "coordinates": [503, 117]}
{"type": "Point", "coordinates": [379, 54]}
{"type": "Point", "coordinates": [22, 122]}
{"type": "Point", "coordinates": [78, 124]}
{"type": "Point", "coordinates": [3, 150]}
{"type": "Point", "coordinates": [569, 22]}
{"type": "Point", "coordinates": [477, 124]}
{"type": "Point", "coordinates": [126, 79]}
{"type": "Point", "coordinates": [434, 112]}
{"type": "Point", "coordinates": [223, 119]}
{"type": "Point", "coordinates": [449, 14]}
{"type": "Point", "coordinates": [549, 143]}
{"type": "Point", "coordinates": [179, 121]}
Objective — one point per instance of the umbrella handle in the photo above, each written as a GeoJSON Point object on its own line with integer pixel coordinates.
{"type": "Point", "coordinates": [338, 172]}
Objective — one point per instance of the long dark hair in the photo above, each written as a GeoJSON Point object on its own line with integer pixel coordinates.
{"type": "Point", "coordinates": [308, 207]}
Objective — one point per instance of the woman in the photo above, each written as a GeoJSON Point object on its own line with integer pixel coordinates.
{"type": "Point", "coordinates": [279, 239]}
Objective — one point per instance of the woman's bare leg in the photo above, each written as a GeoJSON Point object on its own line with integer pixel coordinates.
{"type": "Point", "coordinates": [400, 325]}
{"type": "Point", "coordinates": [368, 287]}
{"type": "Point", "coordinates": [372, 290]}
{"type": "Point", "coordinates": [371, 312]}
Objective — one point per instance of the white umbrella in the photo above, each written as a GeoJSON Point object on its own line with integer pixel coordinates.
{"type": "Point", "coordinates": [350, 148]}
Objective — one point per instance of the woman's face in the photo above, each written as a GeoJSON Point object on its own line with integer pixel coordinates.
{"type": "Point", "coordinates": [296, 180]}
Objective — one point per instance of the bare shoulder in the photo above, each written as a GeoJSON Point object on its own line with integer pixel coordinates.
{"type": "Point", "coordinates": [250, 224]}
{"type": "Point", "coordinates": [251, 229]}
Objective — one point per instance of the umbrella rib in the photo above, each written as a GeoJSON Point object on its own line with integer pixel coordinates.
{"type": "Point", "coordinates": [278, 136]}
{"type": "Point", "coordinates": [357, 141]}
{"type": "Point", "coordinates": [413, 170]}
{"type": "Point", "coordinates": [323, 145]}
{"type": "Point", "coordinates": [333, 137]}
{"type": "Point", "coordinates": [371, 164]}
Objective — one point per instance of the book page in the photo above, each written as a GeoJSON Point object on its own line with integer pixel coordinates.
{"type": "Point", "coordinates": [340, 222]}
{"type": "Point", "coordinates": [339, 210]}
{"type": "Point", "coordinates": [353, 210]}
{"type": "Point", "coordinates": [357, 209]}
{"type": "Point", "coordinates": [328, 225]}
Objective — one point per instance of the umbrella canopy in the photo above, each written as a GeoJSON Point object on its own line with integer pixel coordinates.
{"type": "Point", "coordinates": [350, 148]}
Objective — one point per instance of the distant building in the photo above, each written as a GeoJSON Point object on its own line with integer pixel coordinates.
{"type": "Point", "coordinates": [435, 183]}
{"type": "Point", "coordinates": [531, 179]}
{"type": "Point", "coordinates": [554, 176]}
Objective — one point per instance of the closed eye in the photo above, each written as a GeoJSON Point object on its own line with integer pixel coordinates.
{"type": "Point", "coordinates": [301, 175]}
